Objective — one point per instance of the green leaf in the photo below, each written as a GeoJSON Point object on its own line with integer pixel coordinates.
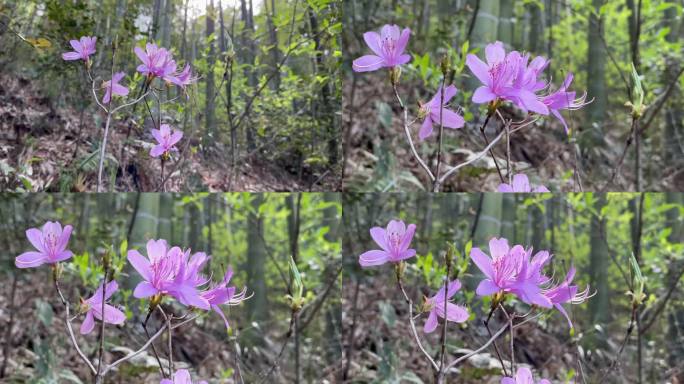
{"type": "Point", "coordinates": [44, 312]}
{"type": "Point", "coordinates": [387, 313]}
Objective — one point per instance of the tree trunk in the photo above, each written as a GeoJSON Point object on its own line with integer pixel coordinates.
{"type": "Point", "coordinates": [166, 25]}
{"type": "Point", "coordinates": [273, 37]}
{"type": "Point", "coordinates": [508, 214]}
{"type": "Point", "coordinates": [484, 30]}
{"type": "Point", "coordinates": [596, 71]}
{"type": "Point", "coordinates": [145, 227]}
{"type": "Point", "coordinates": [165, 230]}
{"type": "Point", "coordinates": [257, 306]}
{"type": "Point", "coordinates": [489, 221]}
{"type": "Point", "coordinates": [506, 23]}
{"type": "Point", "coordinates": [599, 305]}
{"type": "Point", "coordinates": [535, 39]}
{"type": "Point", "coordinates": [211, 134]}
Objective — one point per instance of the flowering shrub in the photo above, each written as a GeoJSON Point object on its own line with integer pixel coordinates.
{"type": "Point", "coordinates": [167, 272]}
{"type": "Point", "coordinates": [512, 78]}
{"type": "Point", "coordinates": [157, 63]}
{"type": "Point", "coordinates": [509, 272]}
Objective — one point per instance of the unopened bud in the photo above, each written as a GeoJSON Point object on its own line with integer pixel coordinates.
{"type": "Point", "coordinates": [449, 257]}
{"type": "Point", "coordinates": [445, 64]}
{"type": "Point", "coordinates": [106, 259]}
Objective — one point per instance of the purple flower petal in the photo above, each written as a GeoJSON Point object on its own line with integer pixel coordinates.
{"type": "Point", "coordinates": [425, 128]}
{"type": "Point", "coordinates": [144, 289]}
{"type": "Point", "coordinates": [368, 63]}
{"type": "Point", "coordinates": [431, 323]}
{"type": "Point", "coordinates": [482, 261]}
{"type": "Point", "coordinates": [486, 288]}
{"type": "Point", "coordinates": [483, 95]}
{"type": "Point", "coordinates": [373, 258]}
{"type": "Point", "coordinates": [30, 260]}
{"type": "Point", "coordinates": [88, 324]}
{"type": "Point", "coordinates": [379, 235]}
{"type": "Point", "coordinates": [140, 263]}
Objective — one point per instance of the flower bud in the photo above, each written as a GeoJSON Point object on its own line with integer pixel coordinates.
{"type": "Point", "coordinates": [106, 259]}
{"type": "Point", "coordinates": [445, 64]}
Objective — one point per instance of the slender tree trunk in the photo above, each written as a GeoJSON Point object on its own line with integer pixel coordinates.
{"type": "Point", "coordinates": [599, 305]}
{"type": "Point", "coordinates": [249, 55]}
{"type": "Point", "coordinates": [506, 23]}
{"type": "Point", "coordinates": [211, 134]}
{"type": "Point", "coordinates": [273, 37]}
{"type": "Point", "coordinates": [156, 19]}
{"type": "Point", "coordinates": [257, 306]}
{"type": "Point", "coordinates": [145, 227]}
{"type": "Point", "coordinates": [166, 24]}
{"type": "Point", "coordinates": [165, 229]}
{"type": "Point", "coordinates": [596, 88]}
{"type": "Point", "coordinates": [293, 224]}
{"type": "Point", "coordinates": [535, 39]}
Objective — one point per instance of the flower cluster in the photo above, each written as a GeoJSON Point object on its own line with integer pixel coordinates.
{"type": "Point", "coordinates": [512, 77]}
{"type": "Point", "coordinates": [171, 271]}
{"type": "Point", "coordinates": [513, 270]}
{"type": "Point", "coordinates": [159, 63]}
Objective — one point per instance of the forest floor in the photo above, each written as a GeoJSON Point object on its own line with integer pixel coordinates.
{"type": "Point", "coordinates": [542, 150]}
{"type": "Point", "coordinates": [40, 150]}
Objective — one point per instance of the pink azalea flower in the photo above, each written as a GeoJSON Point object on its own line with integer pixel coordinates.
{"type": "Point", "coordinates": [83, 48]}
{"type": "Point", "coordinates": [184, 77]}
{"type": "Point", "coordinates": [562, 99]}
{"type": "Point", "coordinates": [113, 86]}
{"type": "Point", "coordinates": [182, 376]}
{"type": "Point", "coordinates": [166, 140]}
{"type": "Point", "coordinates": [394, 241]}
{"type": "Point", "coordinates": [521, 184]}
{"type": "Point", "coordinates": [93, 307]}
{"type": "Point", "coordinates": [508, 77]}
{"type": "Point", "coordinates": [431, 110]}
{"type": "Point", "coordinates": [496, 75]}
{"type": "Point", "coordinates": [156, 62]}
{"type": "Point", "coordinates": [566, 293]}
{"type": "Point", "coordinates": [51, 243]}
{"type": "Point", "coordinates": [164, 271]}
{"type": "Point", "coordinates": [388, 48]}
{"type": "Point", "coordinates": [510, 271]}
{"type": "Point", "coordinates": [221, 294]}
{"type": "Point", "coordinates": [523, 376]}
{"type": "Point", "coordinates": [455, 313]}
{"type": "Point", "coordinates": [526, 85]}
